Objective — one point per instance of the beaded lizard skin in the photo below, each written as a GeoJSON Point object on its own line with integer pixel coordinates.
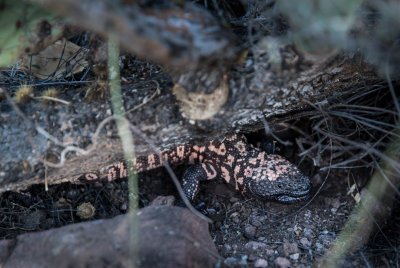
{"type": "Point", "coordinates": [251, 171]}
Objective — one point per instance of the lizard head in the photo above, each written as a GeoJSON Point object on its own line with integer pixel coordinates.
{"type": "Point", "coordinates": [279, 180]}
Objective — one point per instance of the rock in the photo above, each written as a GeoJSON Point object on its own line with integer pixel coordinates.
{"type": "Point", "coordinates": [255, 245]}
{"type": "Point", "coordinates": [319, 246]}
{"type": "Point", "coordinates": [6, 247]}
{"type": "Point", "coordinates": [282, 262]}
{"type": "Point", "coordinates": [261, 263]}
{"type": "Point", "coordinates": [123, 207]}
{"type": "Point", "coordinates": [256, 223]}
{"type": "Point", "coordinates": [253, 257]}
{"type": "Point", "coordinates": [262, 239]}
{"type": "Point", "coordinates": [234, 261]}
{"type": "Point", "coordinates": [305, 242]}
{"type": "Point", "coordinates": [227, 249]}
{"type": "Point", "coordinates": [250, 230]}
{"type": "Point", "coordinates": [230, 261]}
{"type": "Point", "coordinates": [332, 202]}
{"type": "Point", "coordinates": [236, 219]}
{"type": "Point", "coordinates": [168, 237]}
{"type": "Point", "coordinates": [270, 252]}
{"type": "Point", "coordinates": [290, 248]}
{"type": "Point", "coordinates": [295, 256]}
{"type": "Point", "coordinates": [309, 233]}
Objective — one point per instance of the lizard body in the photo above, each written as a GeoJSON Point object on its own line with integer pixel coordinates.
{"type": "Point", "coordinates": [251, 171]}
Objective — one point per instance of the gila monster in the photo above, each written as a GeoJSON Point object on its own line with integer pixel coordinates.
{"type": "Point", "coordinates": [251, 171]}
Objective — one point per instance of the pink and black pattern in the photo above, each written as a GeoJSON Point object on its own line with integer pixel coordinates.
{"type": "Point", "coordinates": [247, 168]}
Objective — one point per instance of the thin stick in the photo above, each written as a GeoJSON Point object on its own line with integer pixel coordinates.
{"type": "Point", "coordinates": [53, 99]}
{"type": "Point", "coordinates": [126, 140]}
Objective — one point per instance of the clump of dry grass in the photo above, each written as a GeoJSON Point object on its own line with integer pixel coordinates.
{"type": "Point", "coordinates": [23, 94]}
{"type": "Point", "coordinates": [358, 131]}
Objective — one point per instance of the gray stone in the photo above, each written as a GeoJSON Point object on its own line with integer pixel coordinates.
{"type": "Point", "coordinates": [261, 263]}
{"type": "Point", "coordinates": [162, 242]}
{"type": "Point", "coordinates": [282, 262]}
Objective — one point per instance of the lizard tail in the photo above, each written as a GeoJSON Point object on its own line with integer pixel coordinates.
{"type": "Point", "coordinates": [176, 156]}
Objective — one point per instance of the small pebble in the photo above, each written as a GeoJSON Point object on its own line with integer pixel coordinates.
{"type": "Point", "coordinates": [227, 249]}
{"type": "Point", "coordinates": [305, 242]}
{"type": "Point", "coordinates": [260, 263]}
{"type": "Point", "coordinates": [250, 230]}
{"type": "Point", "coordinates": [123, 207]}
{"type": "Point", "coordinates": [308, 233]}
{"type": "Point", "coordinates": [319, 246]}
{"type": "Point", "coordinates": [256, 223]}
{"type": "Point", "coordinates": [236, 219]}
{"type": "Point", "coordinates": [295, 256]}
{"type": "Point", "coordinates": [270, 252]}
{"type": "Point", "coordinates": [243, 259]}
{"type": "Point", "coordinates": [282, 262]}
{"type": "Point", "coordinates": [230, 261]}
{"type": "Point", "coordinates": [262, 218]}
{"type": "Point", "coordinates": [262, 239]}
{"type": "Point", "coordinates": [255, 245]}
{"type": "Point", "coordinates": [290, 248]}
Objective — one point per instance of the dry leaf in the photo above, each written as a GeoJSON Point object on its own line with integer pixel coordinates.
{"type": "Point", "coordinates": [61, 59]}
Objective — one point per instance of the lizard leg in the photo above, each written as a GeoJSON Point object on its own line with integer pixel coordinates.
{"type": "Point", "coordinates": [193, 175]}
